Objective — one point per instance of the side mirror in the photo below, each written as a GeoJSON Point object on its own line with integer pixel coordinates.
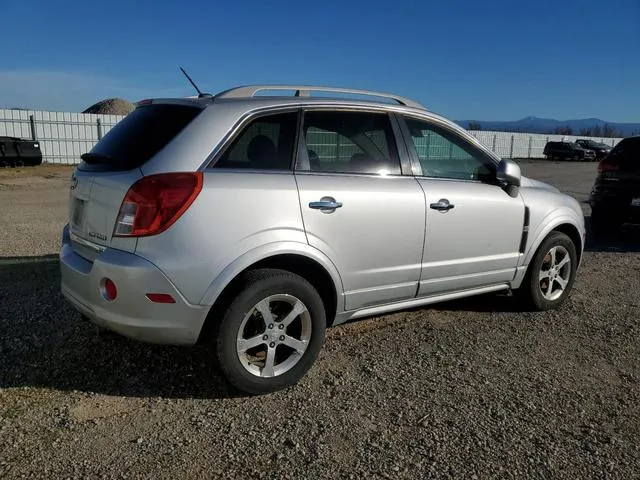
{"type": "Point", "coordinates": [508, 174]}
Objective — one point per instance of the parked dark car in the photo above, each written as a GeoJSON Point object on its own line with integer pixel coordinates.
{"type": "Point", "coordinates": [615, 197]}
{"type": "Point", "coordinates": [18, 152]}
{"type": "Point", "coordinates": [601, 149]}
{"type": "Point", "coordinates": [568, 151]}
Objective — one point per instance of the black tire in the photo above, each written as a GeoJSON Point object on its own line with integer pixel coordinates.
{"type": "Point", "coordinates": [530, 291]}
{"type": "Point", "coordinates": [604, 224]}
{"type": "Point", "coordinates": [258, 285]}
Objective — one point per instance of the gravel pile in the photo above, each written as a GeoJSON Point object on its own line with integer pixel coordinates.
{"type": "Point", "coordinates": [111, 106]}
{"type": "Point", "coordinates": [472, 389]}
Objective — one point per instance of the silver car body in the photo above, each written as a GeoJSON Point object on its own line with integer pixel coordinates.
{"type": "Point", "coordinates": [383, 250]}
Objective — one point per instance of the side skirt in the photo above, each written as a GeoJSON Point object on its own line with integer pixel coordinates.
{"type": "Point", "coordinates": [416, 302]}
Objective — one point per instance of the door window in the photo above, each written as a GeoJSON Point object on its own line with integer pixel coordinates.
{"type": "Point", "coordinates": [444, 154]}
{"type": "Point", "coordinates": [266, 143]}
{"type": "Point", "coordinates": [349, 142]}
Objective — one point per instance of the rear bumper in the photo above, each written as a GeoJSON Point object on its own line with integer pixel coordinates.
{"type": "Point", "coordinates": [131, 314]}
{"type": "Point", "coordinates": [619, 198]}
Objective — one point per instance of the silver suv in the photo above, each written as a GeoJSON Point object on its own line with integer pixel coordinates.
{"type": "Point", "coordinates": [255, 221]}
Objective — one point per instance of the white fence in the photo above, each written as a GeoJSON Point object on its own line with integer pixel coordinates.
{"type": "Point", "coordinates": [64, 136]}
{"type": "Point", "coordinates": [526, 145]}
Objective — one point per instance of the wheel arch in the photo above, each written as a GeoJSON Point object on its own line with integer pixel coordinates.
{"type": "Point", "coordinates": [313, 266]}
{"type": "Point", "coordinates": [573, 233]}
{"type": "Point", "coordinates": [563, 220]}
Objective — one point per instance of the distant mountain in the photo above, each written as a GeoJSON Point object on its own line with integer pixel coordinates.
{"type": "Point", "coordinates": [549, 125]}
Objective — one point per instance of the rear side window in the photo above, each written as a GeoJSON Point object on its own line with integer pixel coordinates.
{"type": "Point", "coordinates": [350, 142]}
{"type": "Point", "coordinates": [627, 151]}
{"type": "Point", "coordinates": [140, 135]}
{"type": "Point", "coordinates": [266, 143]}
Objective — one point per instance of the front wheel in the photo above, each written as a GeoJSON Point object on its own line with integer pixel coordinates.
{"type": "Point", "coordinates": [551, 273]}
{"type": "Point", "coordinates": [272, 332]}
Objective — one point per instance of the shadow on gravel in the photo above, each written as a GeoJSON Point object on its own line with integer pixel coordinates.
{"type": "Point", "coordinates": [626, 240]}
{"type": "Point", "coordinates": [45, 343]}
{"type": "Point", "coordinates": [487, 303]}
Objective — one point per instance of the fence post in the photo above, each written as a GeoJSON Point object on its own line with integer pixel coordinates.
{"type": "Point", "coordinates": [99, 125]}
{"type": "Point", "coordinates": [511, 148]}
{"type": "Point", "coordinates": [493, 145]}
{"type": "Point", "coordinates": [530, 139]}
{"type": "Point", "coordinates": [32, 122]}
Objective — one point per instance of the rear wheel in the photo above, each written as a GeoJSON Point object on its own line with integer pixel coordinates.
{"type": "Point", "coordinates": [551, 273]}
{"type": "Point", "coordinates": [272, 332]}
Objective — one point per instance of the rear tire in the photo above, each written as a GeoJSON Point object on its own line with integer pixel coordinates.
{"type": "Point", "coordinates": [551, 273]}
{"type": "Point", "coordinates": [271, 333]}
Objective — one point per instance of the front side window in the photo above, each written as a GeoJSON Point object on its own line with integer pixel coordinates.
{"type": "Point", "coordinates": [443, 154]}
{"type": "Point", "coordinates": [266, 143]}
{"type": "Point", "coordinates": [350, 142]}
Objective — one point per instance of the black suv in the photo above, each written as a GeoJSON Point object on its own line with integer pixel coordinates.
{"type": "Point", "coordinates": [601, 149]}
{"type": "Point", "coordinates": [615, 197]}
{"type": "Point", "coordinates": [567, 151]}
{"type": "Point", "coordinates": [18, 152]}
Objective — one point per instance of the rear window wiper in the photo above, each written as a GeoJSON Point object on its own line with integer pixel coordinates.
{"type": "Point", "coordinates": [93, 158]}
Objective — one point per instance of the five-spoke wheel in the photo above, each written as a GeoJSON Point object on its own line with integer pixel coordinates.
{"type": "Point", "coordinates": [272, 331]}
{"type": "Point", "coordinates": [551, 273]}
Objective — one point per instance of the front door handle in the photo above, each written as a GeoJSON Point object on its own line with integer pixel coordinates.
{"type": "Point", "coordinates": [442, 205]}
{"type": "Point", "coordinates": [325, 204]}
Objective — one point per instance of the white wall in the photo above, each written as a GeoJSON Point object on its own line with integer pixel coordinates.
{"type": "Point", "coordinates": [526, 145]}
{"type": "Point", "coordinates": [64, 136]}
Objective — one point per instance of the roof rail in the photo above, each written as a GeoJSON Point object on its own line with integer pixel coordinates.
{"type": "Point", "coordinates": [304, 91]}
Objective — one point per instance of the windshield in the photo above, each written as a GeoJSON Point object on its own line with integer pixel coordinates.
{"type": "Point", "coordinates": [140, 135]}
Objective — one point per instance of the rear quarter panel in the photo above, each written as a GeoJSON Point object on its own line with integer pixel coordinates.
{"type": "Point", "coordinates": [235, 213]}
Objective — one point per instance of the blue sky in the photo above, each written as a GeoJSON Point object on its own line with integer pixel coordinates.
{"type": "Point", "coordinates": [487, 60]}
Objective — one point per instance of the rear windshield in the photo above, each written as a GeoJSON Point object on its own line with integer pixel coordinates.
{"type": "Point", "coordinates": [140, 135]}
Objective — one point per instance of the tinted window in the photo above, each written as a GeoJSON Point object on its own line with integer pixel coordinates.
{"type": "Point", "coordinates": [140, 135]}
{"type": "Point", "coordinates": [626, 152]}
{"type": "Point", "coordinates": [350, 142]}
{"type": "Point", "coordinates": [443, 154]}
{"type": "Point", "coordinates": [266, 143]}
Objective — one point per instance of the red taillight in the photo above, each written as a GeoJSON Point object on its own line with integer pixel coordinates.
{"type": "Point", "coordinates": [160, 298]}
{"type": "Point", "coordinates": [109, 290]}
{"type": "Point", "coordinates": [605, 166]}
{"type": "Point", "coordinates": [154, 203]}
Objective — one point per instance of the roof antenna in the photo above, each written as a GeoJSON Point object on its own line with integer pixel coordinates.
{"type": "Point", "coordinates": [200, 94]}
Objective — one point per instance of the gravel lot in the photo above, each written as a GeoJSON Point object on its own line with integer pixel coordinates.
{"type": "Point", "coordinates": [472, 389]}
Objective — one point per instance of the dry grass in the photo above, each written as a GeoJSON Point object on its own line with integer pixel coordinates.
{"type": "Point", "coordinates": [46, 170]}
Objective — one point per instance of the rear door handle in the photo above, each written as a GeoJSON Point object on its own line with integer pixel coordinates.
{"type": "Point", "coordinates": [442, 205]}
{"type": "Point", "coordinates": [325, 204]}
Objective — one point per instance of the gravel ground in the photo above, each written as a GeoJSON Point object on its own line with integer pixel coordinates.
{"type": "Point", "coordinates": [472, 389]}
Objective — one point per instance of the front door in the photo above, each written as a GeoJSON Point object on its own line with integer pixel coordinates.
{"type": "Point", "coordinates": [474, 227]}
{"type": "Point", "coordinates": [357, 206]}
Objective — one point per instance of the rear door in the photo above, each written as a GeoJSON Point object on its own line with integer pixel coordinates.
{"type": "Point", "coordinates": [473, 228]}
{"type": "Point", "coordinates": [360, 207]}
{"type": "Point", "coordinates": [100, 183]}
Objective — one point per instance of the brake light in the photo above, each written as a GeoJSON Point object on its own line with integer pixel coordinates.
{"type": "Point", "coordinates": [604, 166]}
{"type": "Point", "coordinates": [154, 203]}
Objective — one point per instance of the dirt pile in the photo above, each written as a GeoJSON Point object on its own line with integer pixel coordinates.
{"type": "Point", "coordinates": [111, 106]}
